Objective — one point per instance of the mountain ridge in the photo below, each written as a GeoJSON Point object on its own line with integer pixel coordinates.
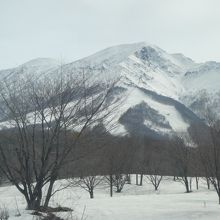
{"type": "Point", "coordinates": [146, 72]}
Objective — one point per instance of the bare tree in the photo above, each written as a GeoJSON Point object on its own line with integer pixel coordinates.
{"type": "Point", "coordinates": [210, 158]}
{"type": "Point", "coordinates": [110, 182]}
{"type": "Point", "coordinates": [208, 141]}
{"type": "Point", "coordinates": [116, 181]}
{"type": "Point", "coordinates": [154, 169]}
{"type": "Point", "coordinates": [155, 180]}
{"type": "Point", "coordinates": [118, 159]}
{"type": "Point", "coordinates": [141, 159]}
{"type": "Point", "coordinates": [88, 183]}
{"type": "Point", "coordinates": [119, 181]}
{"type": "Point", "coordinates": [45, 120]}
{"type": "Point", "coordinates": [207, 182]}
{"type": "Point", "coordinates": [182, 156]}
{"type": "Point", "coordinates": [212, 167]}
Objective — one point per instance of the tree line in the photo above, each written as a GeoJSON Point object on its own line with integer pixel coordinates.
{"type": "Point", "coordinates": [56, 128]}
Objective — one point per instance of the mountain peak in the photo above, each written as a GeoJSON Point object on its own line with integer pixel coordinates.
{"type": "Point", "coordinates": [147, 74]}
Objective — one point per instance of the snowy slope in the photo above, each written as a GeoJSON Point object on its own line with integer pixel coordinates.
{"type": "Point", "coordinates": [204, 76]}
{"type": "Point", "coordinates": [151, 80]}
{"type": "Point", "coordinates": [171, 118]}
{"type": "Point", "coordinates": [138, 64]}
{"type": "Point", "coordinates": [33, 68]}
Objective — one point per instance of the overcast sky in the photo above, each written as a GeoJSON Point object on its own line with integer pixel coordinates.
{"type": "Point", "coordinates": [71, 29]}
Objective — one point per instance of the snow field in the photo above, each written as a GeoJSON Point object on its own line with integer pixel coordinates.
{"type": "Point", "coordinates": [170, 202]}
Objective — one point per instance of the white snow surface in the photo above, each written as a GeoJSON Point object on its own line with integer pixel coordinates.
{"type": "Point", "coordinates": [141, 64]}
{"type": "Point", "coordinates": [33, 68]}
{"type": "Point", "coordinates": [170, 202]}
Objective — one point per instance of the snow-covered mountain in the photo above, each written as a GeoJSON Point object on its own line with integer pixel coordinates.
{"type": "Point", "coordinates": [161, 90]}
{"type": "Point", "coordinates": [32, 68]}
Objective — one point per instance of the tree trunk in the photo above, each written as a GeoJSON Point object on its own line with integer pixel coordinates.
{"type": "Point", "coordinates": [197, 183]}
{"type": "Point", "coordinates": [34, 202]}
{"type": "Point", "coordinates": [118, 189]}
{"type": "Point", "coordinates": [49, 192]}
{"type": "Point", "coordinates": [141, 180]}
{"type": "Point", "coordinates": [111, 185]}
{"type": "Point", "coordinates": [91, 194]}
{"type": "Point", "coordinates": [33, 205]}
{"type": "Point", "coordinates": [190, 184]}
{"type": "Point", "coordinates": [186, 184]}
{"type": "Point", "coordinates": [128, 179]}
{"type": "Point", "coordinates": [208, 183]}
{"type": "Point", "coordinates": [136, 179]}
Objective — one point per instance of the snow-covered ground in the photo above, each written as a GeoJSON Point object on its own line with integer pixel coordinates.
{"type": "Point", "coordinates": [135, 202]}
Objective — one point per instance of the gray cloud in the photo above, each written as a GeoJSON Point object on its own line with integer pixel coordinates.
{"type": "Point", "coordinates": [72, 29]}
